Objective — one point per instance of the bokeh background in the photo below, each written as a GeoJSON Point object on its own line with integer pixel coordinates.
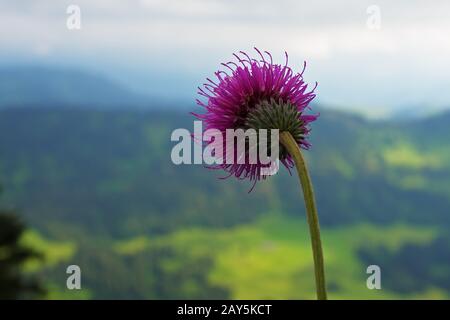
{"type": "Point", "coordinates": [85, 122]}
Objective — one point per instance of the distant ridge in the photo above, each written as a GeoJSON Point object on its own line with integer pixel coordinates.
{"type": "Point", "coordinates": [45, 86]}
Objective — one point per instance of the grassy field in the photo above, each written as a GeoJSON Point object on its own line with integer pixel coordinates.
{"type": "Point", "coordinates": [268, 259]}
{"type": "Point", "coordinates": [271, 258]}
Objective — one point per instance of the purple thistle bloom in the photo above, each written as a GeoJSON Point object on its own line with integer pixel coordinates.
{"type": "Point", "coordinates": [233, 101]}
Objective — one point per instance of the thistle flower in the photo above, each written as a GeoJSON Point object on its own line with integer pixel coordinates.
{"type": "Point", "coordinates": [258, 94]}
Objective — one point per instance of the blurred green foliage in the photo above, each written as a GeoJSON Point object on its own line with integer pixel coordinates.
{"type": "Point", "coordinates": [100, 191]}
{"type": "Point", "coordinates": [15, 283]}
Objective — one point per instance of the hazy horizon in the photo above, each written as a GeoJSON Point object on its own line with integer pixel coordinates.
{"type": "Point", "coordinates": [167, 48]}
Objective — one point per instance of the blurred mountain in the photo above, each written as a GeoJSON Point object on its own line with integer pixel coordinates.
{"type": "Point", "coordinates": [101, 185]}
{"type": "Point", "coordinates": [416, 112]}
{"type": "Point", "coordinates": [38, 86]}
{"type": "Point", "coordinates": [111, 172]}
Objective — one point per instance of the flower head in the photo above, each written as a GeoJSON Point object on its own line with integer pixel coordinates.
{"type": "Point", "coordinates": [258, 94]}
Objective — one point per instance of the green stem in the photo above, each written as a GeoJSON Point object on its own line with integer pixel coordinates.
{"type": "Point", "coordinates": [292, 147]}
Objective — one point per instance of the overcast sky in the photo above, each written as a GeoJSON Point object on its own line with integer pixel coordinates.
{"type": "Point", "coordinates": [167, 47]}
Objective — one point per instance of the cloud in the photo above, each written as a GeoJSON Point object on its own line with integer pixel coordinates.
{"type": "Point", "coordinates": [319, 28]}
{"type": "Point", "coordinates": [193, 36]}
